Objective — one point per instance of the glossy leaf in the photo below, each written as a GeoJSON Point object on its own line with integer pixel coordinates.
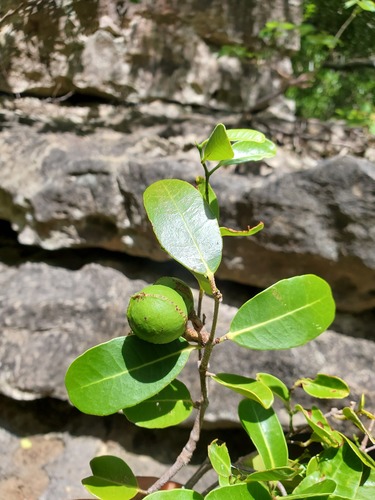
{"type": "Point", "coordinates": [368, 5]}
{"type": "Point", "coordinates": [367, 486]}
{"type": "Point", "coordinates": [178, 494]}
{"type": "Point", "coordinates": [171, 406]}
{"type": "Point", "coordinates": [349, 414]}
{"type": "Point", "coordinates": [220, 461]}
{"type": "Point", "coordinates": [212, 199]}
{"type": "Point", "coordinates": [276, 385]}
{"type": "Point", "coordinates": [364, 457]}
{"type": "Point", "coordinates": [325, 387]}
{"type": "Point", "coordinates": [112, 479]}
{"type": "Point", "coordinates": [313, 486]}
{"type": "Point", "coordinates": [245, 134]}
{"type": "Point", "coordinates": [247, 387]}
{"type": "Point", "coordinates": [226, 231]}
{"type": "Point", "coordinates": [288, 314]}
{"type": "Point", "coordinates": [319, 424]}
{"type": "Point", "coordinates": [342, 466]}
{"type": "Point", "coordinates": [265, 431]}
{"type": "Point", "coordinates": [184, 225]}
{"type": "Point", "coordinates": [123, 372]}
{"type": "Point", "coordinates": [277, 474]}
{"type": "Point", "coordinates": [245, 151]}
{"type": "Point", "coordinates": [244, 491]}
{"type": "Point", "coordinates": [218, 146]}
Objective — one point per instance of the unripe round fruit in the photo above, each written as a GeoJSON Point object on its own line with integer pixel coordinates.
{"type": "Point", "coordinates": [181, 288]}
{"type": "Point", "coordinates": [157, 314]}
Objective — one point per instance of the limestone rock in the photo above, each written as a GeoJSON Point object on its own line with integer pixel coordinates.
{"type": "Point", "coordinates": [67, 191]}
{"type": "Point", "coordinates": [135, 53]}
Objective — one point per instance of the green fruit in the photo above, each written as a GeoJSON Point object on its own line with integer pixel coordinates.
{"type": "Point", "coordinates": [181, 288]}
{"type": "Point", "coordinates": [157, 314]}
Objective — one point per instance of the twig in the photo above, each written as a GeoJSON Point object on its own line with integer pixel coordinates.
{"type": "Point", "coordinates": [200, 472]}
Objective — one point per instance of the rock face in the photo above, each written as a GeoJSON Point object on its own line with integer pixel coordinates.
{"type": "Point", "coordinates": [132, 53]}
{"type": "Point", "coordinates": [87, 192]}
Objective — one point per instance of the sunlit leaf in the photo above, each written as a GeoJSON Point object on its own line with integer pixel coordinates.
{"type": "Point", "coordinates": [220, 461]}
{"type": "Point", "coordinates": [276, 385]}
{"type": "Point", "coordinates": [245, 151]}
{"type": "Point", "coordinates": [247, 387]}
{"type": "Point", "coordinates": [265, 431]}
{"type": "Point", "coordinates": [226, 231]}
{"type": "Point", "coordinates": [340, 465]}
{"type": "Point", "coordinates": [353, 417]}
{"type": "Point", "coordinates": [244, 491]}
{"type": "Point", "coordinates": [367, 5]}
{"type": "Point", "coordinates": [171, 406]}
{"type": "Point", "coordinates": [218, 146]}
{"type": "Point", "coordinates": [367, 486]}
{"type": "Point", "coordinates": [325, 387]}
{"type": "Point", "coordinates": [245, 134]}
{"type": "Point", "coordinates": [313, 486]}
{"type": "Point", "coordinates": [288, 314]}
{"type": "Point", "coordinates": [184, 225]}
{"type": "Point", "coordinates": [277, 474]}
{"type": "Point", "coordinates": [364, 457]}
{"type": "Point", "coordinates": [212, 199]}
{"type": "Point", "coordinates": [112, 479]}
{"type": "Point", "coordinates": [319, 424]}
{"type": "Point", "coordinates": [123, 372]}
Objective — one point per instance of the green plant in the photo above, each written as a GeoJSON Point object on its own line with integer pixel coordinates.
{"type": "Point", "coordinates": [139, 378]}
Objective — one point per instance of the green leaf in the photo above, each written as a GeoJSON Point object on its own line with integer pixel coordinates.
{"type": "Point", "coordinates": [226, 231]}
{"type": "Point", "coordinates": [245, 134]}
{"type": "Point", "coordinates": [367, 486]}
{"type": "Point", "coordinates": [288, 314]}
{"type": "Point", "coordinates": [320, 426]}
{"type": "Point", "coordinates": [245, 151]}
{"type": "Point", "coordinates": [218, 146]}
{"type": "Point", "coordinates": [184, 225]}
{"type": "Point", "coordinates": [313, 486]}
{"type": "Point", "coordinates": [247, 387]}
{"type": "Point", "coordinates": [171, 406]}
{"type": "Point", "coordinates": [123, 372]}
{"type": "Point", "coordinates": [277, 474]}
{"type": "Point", "coordinates": [342, 466]}
{"type": "Point", "coordinates": [367, 5]}
{"type": "Point", "coordinates": [112, 479]}
{"type": "Point", "coordinates": [276, 385]}
{"type": "Point", "coordinates": [212, 199]}
{"type": "Point", "coordinates": [244, 491]}
{"type": "Point", "coordinates": [177, 494]}
{"type": "Point", "coordinates": [265, 431]}
{"type": "Point", "coordinates": [325, 387]}
{"type": "Point", "coordinates": [349, 414]}
{"type": "Point", "coordinates": [364, 457]}
{"type": "Point", "coordinates": [220, 461]}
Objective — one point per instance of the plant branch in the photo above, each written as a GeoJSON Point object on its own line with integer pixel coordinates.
{"type": "Point", "coordinates": [198, 474]}
{"type": "Point", "coordinates": [189, 448]}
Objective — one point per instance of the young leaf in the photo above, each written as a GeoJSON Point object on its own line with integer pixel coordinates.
{"type": "Point", "coordinates": [265, 431]}
{"type": "Point", "coordinates": [349, 414]}
{"type": "Point", "coordinates": [245, 151]}
{"type": "Point", "coordinates": [171, 406]}
{"type": "Point", "coordinates": [112, 479]}
{"type": "Point", "coordinates": [320, 426]}
{"type": "Point", "coordinates": [244, 491]}
{"type": "Point", "coordinates": [276, 385]}
{"type": "Point", "coordinates": [245, 134]}
{"type": "Point", "coordinates": [342, 466]}
{"type": "Point", "coordinates": [177, 494]}
{"type": "Point", "coordinates": [325, 387]}
{"type": "Point", "coordinates": [218, 146]}
{"type": "Point", "coordinates": [184, 225]}
{"type": "Point", "coordinates": [226, 231]}
{"type": "Point", "coordinates": [247, 387]}
{"type": "Point", "coordinates": [288, 314]}
{"type": "Point", "coordinates": [123, 372]}
{"type": "Point", "coordinates": [212, 199]}
{"type": "Point", "coordinates": [220, 461]}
